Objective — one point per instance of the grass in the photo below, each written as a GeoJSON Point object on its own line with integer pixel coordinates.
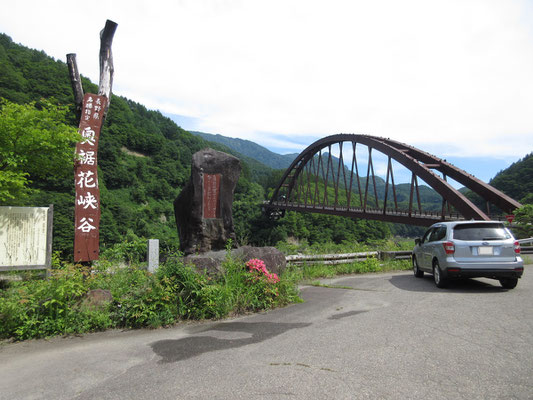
{"type": "Point", "coordinates": [302, 247]}
{"type": "Point", "coordinates": [329, 286]}
{"type": "Point", "coordinates": [310, 272]}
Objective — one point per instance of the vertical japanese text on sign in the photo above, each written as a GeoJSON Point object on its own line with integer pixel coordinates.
{"type": "Point", "coordinates": [87, 205]}
{"type": "Point", "coordinates": [211, 195]}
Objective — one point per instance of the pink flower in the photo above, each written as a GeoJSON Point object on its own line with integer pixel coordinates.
{"type": "Point", "coordinates": [259, 265]}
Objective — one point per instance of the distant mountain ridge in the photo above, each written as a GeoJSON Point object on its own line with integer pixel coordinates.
{"type": "Point", "coordinates": [251, 149]}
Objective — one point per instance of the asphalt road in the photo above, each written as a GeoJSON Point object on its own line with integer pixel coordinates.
{"type": "Point", "coordinates": [391, 336]}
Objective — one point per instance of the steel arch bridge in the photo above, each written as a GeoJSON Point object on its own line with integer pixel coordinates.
{"type": "Point", "coordinates": [320, 181]}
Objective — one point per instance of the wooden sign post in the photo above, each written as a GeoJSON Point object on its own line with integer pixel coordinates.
{"type": "Point", "coordinates": [87, 205]}
{"type": "Point", "coordinates": [92, 109]}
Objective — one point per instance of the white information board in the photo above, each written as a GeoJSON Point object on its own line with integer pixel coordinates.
{"type": "Point", "coordinates": [25, 237]}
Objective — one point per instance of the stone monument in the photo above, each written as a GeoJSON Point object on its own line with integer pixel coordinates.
{"type": "Point", "coordinates": [204, 216]}
{"type": "Point", "coordinates": [203, 209]}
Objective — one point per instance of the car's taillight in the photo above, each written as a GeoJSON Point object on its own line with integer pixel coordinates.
{"type": "Point", "coordinates": [449, 247]}
{"type": "Point", "coordinates": [517, 247]}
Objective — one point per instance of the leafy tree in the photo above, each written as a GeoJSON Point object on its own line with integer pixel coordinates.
{"type": "Point", "coordinates": [35, 143]}
{"type": "Point", "coordinates": [246, 208]}
{"type": "Point", "coordinates": [524, 221]}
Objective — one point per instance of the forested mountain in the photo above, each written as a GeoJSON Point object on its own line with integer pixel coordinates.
{"type": "Point", "coordinates": [252, 150]}
{"type": "Point", "coordinates": [517, 180]}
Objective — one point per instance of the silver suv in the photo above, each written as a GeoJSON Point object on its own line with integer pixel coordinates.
{"type": "Point", "coordinates": [468, 249]}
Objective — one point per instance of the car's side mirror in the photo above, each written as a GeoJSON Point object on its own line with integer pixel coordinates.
{"type": "Point", "coordinates": [418, 241]}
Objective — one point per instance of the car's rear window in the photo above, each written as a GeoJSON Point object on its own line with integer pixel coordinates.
{"type": "Point", "coordinates": [480, 232]}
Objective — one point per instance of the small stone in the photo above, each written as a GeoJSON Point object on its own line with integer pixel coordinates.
{"type": "Point", "coordinates": [275, 261]}
{"type": "Point", "coordinates": [97, 298]}
{"type": "Point", "coordinates": [211, 262]}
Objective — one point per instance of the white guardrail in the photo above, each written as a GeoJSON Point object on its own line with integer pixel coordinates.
{"type": "Point", "coordinates": [526, 249]}
{"type": "Point", "coordinates": [347, 258]}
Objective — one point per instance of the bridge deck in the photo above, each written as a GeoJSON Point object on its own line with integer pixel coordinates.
{"type": "Point", "coordinates": [426, 218]}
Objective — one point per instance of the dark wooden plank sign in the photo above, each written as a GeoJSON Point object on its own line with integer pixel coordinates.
{"type": "Point", "coordinates": [87, 205]}
{"type": "Point", "coordinates": [211, 198]}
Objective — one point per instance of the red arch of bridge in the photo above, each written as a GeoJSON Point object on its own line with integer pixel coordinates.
{"type": "Point", "coordinates": [418, 162]}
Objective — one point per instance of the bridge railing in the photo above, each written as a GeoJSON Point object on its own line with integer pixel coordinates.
{"type": "Point", "coordinates": [283, 204]}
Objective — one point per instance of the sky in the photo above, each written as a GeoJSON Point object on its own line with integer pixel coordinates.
{"type": "Point", "coordinates": [453, 78]}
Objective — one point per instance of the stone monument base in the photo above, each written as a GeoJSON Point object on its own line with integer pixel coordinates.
{"type": "Point", "coordinates": [211, 261]}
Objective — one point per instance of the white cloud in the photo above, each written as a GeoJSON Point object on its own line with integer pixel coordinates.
{"type": "Point", "coordinates": [449, 75]}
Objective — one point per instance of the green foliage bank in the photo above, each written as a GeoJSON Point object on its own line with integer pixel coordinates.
{"type": "Point", "coordinates": [56, 306]}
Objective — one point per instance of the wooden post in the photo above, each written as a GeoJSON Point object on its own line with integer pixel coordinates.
{"type": "Point", "coordinates": [92, 110]}
{"type": "Point", "coordinates": [75, 81]}
{"type": "Point", "coordinates": [107, 68]}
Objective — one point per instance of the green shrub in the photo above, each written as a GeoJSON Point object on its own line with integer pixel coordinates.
{"type": "Point", "coordinates": [235, 291]}
{"type": "Point", "coordinates": [88, 319]}
{"type": "Point", "coordinates": [41, 308]}
{"type": "Point", "coordinates": [147, 302]}
{"type": "Point", "coordinates": [132, 250]}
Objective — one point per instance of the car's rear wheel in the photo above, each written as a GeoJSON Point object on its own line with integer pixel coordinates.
{"type": "Point", "coordinates": [416, 270]}
{"type": "Point", "coordinates": [509, 283]}
{"type": "Point", "coordinates": [438, 275]}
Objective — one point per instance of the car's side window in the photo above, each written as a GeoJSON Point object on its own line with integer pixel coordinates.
{"type": "Point", "coordinates": [426, 235]}
{"type": "Point", "coordinates": [439, 234]}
